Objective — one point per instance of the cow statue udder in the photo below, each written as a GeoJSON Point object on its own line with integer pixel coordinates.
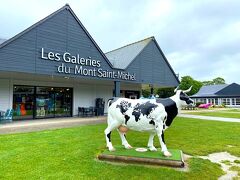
{"type": "Point", "coordinates": [150, 115]}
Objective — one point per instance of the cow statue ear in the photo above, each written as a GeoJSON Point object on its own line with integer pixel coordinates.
{"type": "Point", "coordinates": [188, 90]}
{"type": "Point", "coordinates": [175, 90]}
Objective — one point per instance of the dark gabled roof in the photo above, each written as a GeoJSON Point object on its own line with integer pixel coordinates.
{"type": "Point", "coordinates": [165, 59]}
{"type": "Point", "coordinates": [123, 56]}
{"type": "Point", "coordinates": [231, 90]}
{"type": "Point", "coordinates": [48, 17]}
{"type": "Point", "coordinates": [120, 58]}
{"type": "Point", "coordinates": [218, 90]}
{"type": "Point", "coordinates": [2, 40]}
{"type": "Point", "coordinates": [33, 26]}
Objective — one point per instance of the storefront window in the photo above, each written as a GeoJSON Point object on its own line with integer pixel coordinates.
{"type": "Point", "coordinates": [132, 94]}
{"type": "Point", "coordinates": [224, 101]}
{"type": "Point", "coordinates": [45, 102]}
{"type": "Point", "coordinates": [237, 101]}
{"type": "Point", "coordinates": [23, 100]}
{"type": "Point", "coordinates": [233, 101]}
{"type": "Point", "coordinates": [63, 100]}
{"type": "Point", "coordinates": [228, 101]}
{"type": "Point", "coordinates": [41, 102]}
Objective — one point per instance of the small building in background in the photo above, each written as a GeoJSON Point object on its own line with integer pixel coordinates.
{"type": "Point", "coordinates": [222, 94]}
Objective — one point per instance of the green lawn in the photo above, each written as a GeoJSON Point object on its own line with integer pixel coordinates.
{"type": "Point", "coordinates": [219, 113]}
{"type": "Point", "coordinates": [232, 109]}
{"type": "Point", "coordinates": [71, 153]}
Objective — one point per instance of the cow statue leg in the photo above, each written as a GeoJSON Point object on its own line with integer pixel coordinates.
{"type": "Point", "coordinates": [111, 126]}
{"type": "Point", "coordinates": [124, 140]}
{"type": "Point", "coordinates": [160, 134]}
{"type": "Point", "coordinates": [150, 142]}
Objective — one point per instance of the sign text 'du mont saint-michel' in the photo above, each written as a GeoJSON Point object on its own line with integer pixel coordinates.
{"type": "Point", "coordinates": [83, 66]}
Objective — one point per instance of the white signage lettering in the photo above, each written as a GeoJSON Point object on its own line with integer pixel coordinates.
{"type": "Point", "coordinates": [83, 66]}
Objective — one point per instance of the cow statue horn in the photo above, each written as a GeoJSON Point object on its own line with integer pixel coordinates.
{"type": "Point", "coordinates": [175, 90]}
{"type": "Point", "coordinates": [188, 90]}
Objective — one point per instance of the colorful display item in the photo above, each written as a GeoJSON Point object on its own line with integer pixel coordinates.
{"type": "Point", "coordinates": [205, 106]}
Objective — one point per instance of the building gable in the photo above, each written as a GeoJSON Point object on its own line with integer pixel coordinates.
{"type": "Point", "coordinates": [153, 67]}
{"type": "Point", "coordinates": [59, 33]}
{"type": "Point", "coordinates": [209, 90]}
{"type": "Point", "coordinates": [123, 56]}
{"type": "Point", "coordinates": [231, 90]}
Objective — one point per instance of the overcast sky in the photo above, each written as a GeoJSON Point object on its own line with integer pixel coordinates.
{"type": "Point", "coordinates": [200, 38]}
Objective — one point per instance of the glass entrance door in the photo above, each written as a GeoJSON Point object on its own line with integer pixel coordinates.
{"type": "Point", "coordinates": [63, 100]}
{"type": "Point", "coordinates": [53, 102]}
{"type": "Point", "coordinates": [44, 102]}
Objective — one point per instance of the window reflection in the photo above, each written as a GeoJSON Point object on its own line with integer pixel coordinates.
{"type": "Point", "coordinates": [31, 102]}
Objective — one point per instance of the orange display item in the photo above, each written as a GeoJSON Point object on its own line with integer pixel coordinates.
{"type": "Point", "coordinates": [23, 110]}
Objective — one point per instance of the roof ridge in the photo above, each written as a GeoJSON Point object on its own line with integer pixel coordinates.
{"type": "Point", "coordinates": [89, 36]}
{"type": "Point", "coordinates": [151, 37]}
{"type": "Point", "coordinates": [216, 85]}
{"type": "Point", "coordinates": [66, 6]}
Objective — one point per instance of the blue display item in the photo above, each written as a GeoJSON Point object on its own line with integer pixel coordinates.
{"type": "Point", "coordinates": [18, 111]}
{"type": "Point", "coordinates": [18, 99]}
{"type": "Point", "coordinates": [51, 105]}
{"type": "Point", "coordinates": [40, 102]}
{"type": "Point", "coordinates": [7, 117]}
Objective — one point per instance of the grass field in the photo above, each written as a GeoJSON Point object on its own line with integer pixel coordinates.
{"type": "Point", "coordinates": [71, 153]}
{"type": "Point", "coordinates": [232, 110]}
{"type": "Point", "coordinates": [228, 113]}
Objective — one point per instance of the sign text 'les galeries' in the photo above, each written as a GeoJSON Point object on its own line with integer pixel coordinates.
{"type": "Point", "coordinates": [83, 66]}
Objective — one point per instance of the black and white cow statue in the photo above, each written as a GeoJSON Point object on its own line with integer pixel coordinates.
{"type": "Point", "coordinates": [150, 115]}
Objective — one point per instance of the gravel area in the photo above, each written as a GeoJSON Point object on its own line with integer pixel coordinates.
{"type": "Point", "coordinates": [222, 157]}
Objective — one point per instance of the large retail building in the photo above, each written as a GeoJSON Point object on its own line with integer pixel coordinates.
{"type": "Point", "coordinates": [55, 66]}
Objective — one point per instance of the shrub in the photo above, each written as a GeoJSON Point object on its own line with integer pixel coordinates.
{"type": "Point", "coordinates": [223, 105]}
{"type": "Point", "coordinates": [198, 103]}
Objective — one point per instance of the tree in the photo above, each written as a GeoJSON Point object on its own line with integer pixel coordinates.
{"type": "Point", "coordinates": [164, 92]}
{"type": "Point", "coordinates": [215, 81]}
{"type": "Point", "coordinates": [146, 92]}
{"type": "Point", "coordinates": [206, 83]}
{"type": "Point", "coordinates": [187, 82]}
{"type": "Point", "coordinates": [218, 80]}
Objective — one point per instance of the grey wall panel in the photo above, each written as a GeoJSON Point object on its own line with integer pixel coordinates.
{"type": "Point", "coordinates": [152, 67]}
{"type": "Point", "coordinates": [72, 39]}
{"type": "Point", "coordinates": [83, 46]}
{"type": "Point", "coordinates": [62, 33]}
{"type": "Point", "coordinates": [231, 90]}
{"type": "Point", "coordinates": [20, 54]}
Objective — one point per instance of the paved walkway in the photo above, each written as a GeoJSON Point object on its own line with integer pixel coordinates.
{"type": "Point", "coordinates": [56, 123]}
{"type": "Point", "coordinates": [43, 124]}
{"type": "Point", "coordinates": [210, 118]}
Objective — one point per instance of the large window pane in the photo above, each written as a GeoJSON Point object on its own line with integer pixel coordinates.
{"type": "Point", "coordinates": [63, 101]}
{"type": "Point", "coordinates": [31, 102]}
{"type": "Point", "coordinates": [224, 101]}
{"type": "Point", "coordinates": [44, 102]}
{"type": "Point", "coordinates": [23, 102]}
{"type": "Point", "coordinates": [237, 101]}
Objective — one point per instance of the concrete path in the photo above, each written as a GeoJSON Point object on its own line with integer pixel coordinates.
{"type": "Point", "coordinates": [44, 124]}
{"type": "Point", "coordinates": [210, 118]}
{"type": "Point", "coordinates": [56, 123]}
